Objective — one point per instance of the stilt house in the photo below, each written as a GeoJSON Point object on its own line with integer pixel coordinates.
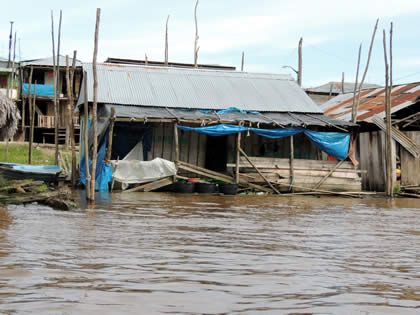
{"type": "Point", "coordinates": [171, 109]}
{"type": "Point", "coordinates": [370, 145]}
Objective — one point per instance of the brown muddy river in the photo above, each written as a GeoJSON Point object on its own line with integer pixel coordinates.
{"type": "Point", "coordinates": [151, 253]}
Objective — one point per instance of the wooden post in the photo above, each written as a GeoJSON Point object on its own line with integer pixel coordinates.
{"type": "Point", "coordinates": [342, 83]}
{"type": "Point", "coordinates": [86, 137]}
{"type": "Point", "coordinates": [31, 135]}
{"type": "Point", "coordinates": [300, 63]}
{"type": "Point", "coordinates": [59, 83]}
{"type": "Point", "coordinates": [353, 111]}
{"type": "Point", "coordinates": [364, 73]}
{"type": "Point", "coordinates": [238, 145]}
{"type": "Point", "coordinates": [145, 60]}
{"type": "Point", "coordinates": [55, 91]}
{"type": "Point", "coordinates": [73, 140]}
{"type": "Point", "coordinates": [243, 60]}
{"type": "Point", "coordinates": [68, 102]}
{"type": "Point", "coordinates": [176, 144]}
{"type": "Point", "coordinates": [166, 42]}
{"type": "Point", "coordinates": [258, 171]}
{"type": "Point", "coordinates": [331, 89]}
{"type": "Point", "coordinates": [292, 164]}
{"type": "Point", "coordinates": [95, 105]}
{"type": "Point", "coordinates": [110, 134]}
{"type": "Point", "coordinates": [196, 48]}
{"type": "Point", "coordinates": [389, 175]}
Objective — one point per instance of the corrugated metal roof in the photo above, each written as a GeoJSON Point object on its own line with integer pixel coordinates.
{"type": "Point", "coordinates": [275, 119]}
{"type": "Point", "coordinates": [372, 102]}
{"type": "Point", "coordinates": [49, 62]}
{"type": "Point", "coordinates": [336, 88]}
{"type": "Point", "coordinates": [197, 88]}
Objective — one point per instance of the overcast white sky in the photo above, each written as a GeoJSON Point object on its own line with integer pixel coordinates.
{"type": "Point", "coordinates": [267, 30]}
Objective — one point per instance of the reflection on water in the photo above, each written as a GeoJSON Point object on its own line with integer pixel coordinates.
{"type": "Point", "coordinates": [154, 253]}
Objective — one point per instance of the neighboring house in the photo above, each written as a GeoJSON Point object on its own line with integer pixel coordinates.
{"type": "Point", "coordinates": [370, 147]}
{"type": "Point", "coordinates": [323, 93]}
{"type": "Point", "coordinates": [151, 102]}
{"type": "Point", "coordinates": [43, 75]}
{"type": "Point", "coordinates": [7, 80]}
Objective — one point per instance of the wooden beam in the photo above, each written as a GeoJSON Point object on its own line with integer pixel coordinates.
{"type": "Point", "coordinates": [258, 171]}
{"type": "Point", "coordinates": [110, 135]}
{"type": "Point", "coordinates": [153, 185]}
{"type": "Point", "coordinates": [329, 174]}
{"type": "Point", "coordinates": [31, 135]}
{"type": "Point", "coordinates": [238, 145]}
{"type": "Point", "coordinates": [292, 162]}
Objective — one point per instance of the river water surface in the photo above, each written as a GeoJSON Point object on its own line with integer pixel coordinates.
{"type": "Point", "coordinates": [152, 253]}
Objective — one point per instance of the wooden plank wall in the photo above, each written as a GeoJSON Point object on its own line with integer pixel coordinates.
{"type": "Point", "coordinates": [192, 145]}
{"type": "Point", "coordinates": [371, 153]}
{"type": "Point", "coordinates": [410, 166]}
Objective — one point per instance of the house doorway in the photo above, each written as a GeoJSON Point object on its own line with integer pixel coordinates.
{"type": "Point", "coordinates": [216, 153]}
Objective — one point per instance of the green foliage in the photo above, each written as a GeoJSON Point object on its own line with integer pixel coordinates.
{"type": "Point", "coordinates": [397, 189]}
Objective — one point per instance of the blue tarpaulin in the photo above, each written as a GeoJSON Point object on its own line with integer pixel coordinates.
{"type": "Point", "coordinates": [216, 130]}
{"type": "Point", "coordinates": [41, 89]}
{"type": "Point", "coordinates": [335, 144]}
{"type": "Point", "coordinates": [103, 172]}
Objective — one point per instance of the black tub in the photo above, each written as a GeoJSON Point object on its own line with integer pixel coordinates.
{"type": "Point", "coordinates": [184, 187]}
{"type": "Point", "coordinates": [205, 188]}
{"type": "Point", "coordinates": [228, 188]}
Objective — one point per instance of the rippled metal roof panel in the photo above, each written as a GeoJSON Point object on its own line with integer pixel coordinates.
{"type": "Point", "coordinates": [197, 88]}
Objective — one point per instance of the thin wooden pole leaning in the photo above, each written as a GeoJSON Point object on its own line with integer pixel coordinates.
{"type": "Point", "coordinates": [166, 42]}
{"type": "Point", "coordinates": [30, 107]}
{"type": "Point", "coordinates": [353, 111]}
{"type": "Point", "coordinates": [365, 72]}
{"type": "Point", "coordinates": [258, 171]}
{"type": "Point", "coordinates": [31, 135]}
{"type": "Point", "coordinates": [86, 136]}
{"type": "Point", "coordinates": [95, 105]}
{"type": "Point", "coordinates": [238, 145]}
{"type": "Point", "coordinates": [68, 102]}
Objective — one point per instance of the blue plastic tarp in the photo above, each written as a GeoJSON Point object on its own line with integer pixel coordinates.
{"type": "Point", "coordinates": [335, 144]}
{"type": "Point", "coordinates": [277, 133]}
{"type": "Point", "coordinates": [235, 109]}
{"type": "Point", "coordinates": [41, 89]}
{"type": "Point", "coordinates": [216, 130]}
{"type": "Point", "coordinates": [103, 172]}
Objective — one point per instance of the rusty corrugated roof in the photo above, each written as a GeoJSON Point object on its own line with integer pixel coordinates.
{"type": "Point", "coordinates": [372, 102]}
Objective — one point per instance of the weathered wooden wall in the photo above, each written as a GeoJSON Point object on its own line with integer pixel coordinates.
{"type": "Point", "coordinates": [192, 145]}
{"type": "Point", "coordinates": [371, 153]}
{"type": "Point", "coordinates": [410, 166]}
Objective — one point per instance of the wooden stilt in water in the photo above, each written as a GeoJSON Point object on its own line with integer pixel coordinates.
{"type": "Point", "coordinates": [176, 144]}
{"type": "Point", "coordinates": [73, 140]}
{"type": "Point", "coordinates": [95, 105]}
{"type": "Point", "coordinates": [86, 137]}
{"type": "Point", "coordinates": [238, 155]}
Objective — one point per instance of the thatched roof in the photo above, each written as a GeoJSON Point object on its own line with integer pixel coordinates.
{"type": "Point", "coordinates": [9, 117]}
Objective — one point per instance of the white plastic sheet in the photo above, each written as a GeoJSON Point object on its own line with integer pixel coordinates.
{"type": "Point", "coordinates": [136, 172]}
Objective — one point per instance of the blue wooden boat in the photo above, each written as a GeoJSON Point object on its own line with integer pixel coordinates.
{"type": "Point", "coordinates": [46, 173]}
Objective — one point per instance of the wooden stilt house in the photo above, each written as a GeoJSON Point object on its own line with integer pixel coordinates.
{"type": "Point", "coordinates": [152, 102]}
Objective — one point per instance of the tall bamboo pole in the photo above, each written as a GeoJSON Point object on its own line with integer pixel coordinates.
{"type": "Point", "coordinates": [86, 137]}
{"type": "Point", "coordinates": [31, 135]}
{"type": "Point", "coordinates": [364, 73]}
{"type": "Point", "coordinates": [300, 62]}
{"type": "Point", "coordinates": [95, 105]}
{"type": "Point", "coordinates": [68, 102]}
{"type": "Point", "coordinates": [8, 83]}
{"type": "Point", "coordinates": [55, 92]}
{"type": "Point", "coordinates": [57, 88]}
{"type": "Point", "coordinates": [353, 111]}
{"type": "Point", "coordinates": [73, 140]}
{"type": "Point", "coordinates": [388, 120]}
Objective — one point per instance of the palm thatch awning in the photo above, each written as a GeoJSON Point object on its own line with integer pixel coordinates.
{"type": "Point", "coordinates": [9, 117]}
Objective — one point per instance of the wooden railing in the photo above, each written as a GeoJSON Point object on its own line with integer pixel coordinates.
{"type": "Point", "coordinates": [49, 121]}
